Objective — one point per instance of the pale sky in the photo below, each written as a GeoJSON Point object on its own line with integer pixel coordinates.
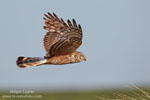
{"type": "Point", "coordinates": [116, 42]}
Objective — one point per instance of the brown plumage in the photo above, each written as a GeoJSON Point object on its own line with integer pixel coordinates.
{"type": "Point", "coordinates": [60, 42]}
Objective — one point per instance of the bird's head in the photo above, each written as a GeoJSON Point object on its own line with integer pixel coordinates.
{"type": "Point", "coordinates": [82, 56]}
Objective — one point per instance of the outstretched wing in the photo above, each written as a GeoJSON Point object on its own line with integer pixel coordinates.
{"type": "Point", "coordinates": [61, 38]}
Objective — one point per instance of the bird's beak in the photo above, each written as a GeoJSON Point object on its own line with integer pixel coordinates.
{"type": "Point", "coordinates": [84, 59]}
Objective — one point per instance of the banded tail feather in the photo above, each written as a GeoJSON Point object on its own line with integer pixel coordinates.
{"type": "Point", "coordinates": [24, 62]}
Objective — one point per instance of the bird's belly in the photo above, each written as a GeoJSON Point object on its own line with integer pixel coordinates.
{"type": "Point", "coordinates": [64, 59]}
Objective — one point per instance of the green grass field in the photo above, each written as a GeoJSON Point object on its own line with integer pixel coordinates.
{"type": "Point", "coordinates": [128, 94]}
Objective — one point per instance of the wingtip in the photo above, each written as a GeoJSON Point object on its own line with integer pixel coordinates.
{"type": "Point", "coordinates": [48, 12]}
{"type": "Point", "coordinates": [73, 20]}
{"type": "Point", "coordinates": [54, 13]}
{"type": "Point", "coordinates": [44, 18]}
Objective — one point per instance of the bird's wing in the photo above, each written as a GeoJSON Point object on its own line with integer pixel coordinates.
{"type": "Point", "coordinates": [61, 38]}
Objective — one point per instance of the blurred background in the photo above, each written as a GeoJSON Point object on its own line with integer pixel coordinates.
{"type": "Point", "coordinates": [116, 43]}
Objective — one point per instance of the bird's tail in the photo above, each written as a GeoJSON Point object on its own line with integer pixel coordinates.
{"type": "Point", "coordinates": [24, 62]}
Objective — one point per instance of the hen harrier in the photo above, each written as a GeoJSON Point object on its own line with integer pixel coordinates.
{"type": "Point", "coordinates": [60, 42]}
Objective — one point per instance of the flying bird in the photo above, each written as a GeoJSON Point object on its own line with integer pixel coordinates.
{"type": "Point", "coordinates": [60, 43]}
